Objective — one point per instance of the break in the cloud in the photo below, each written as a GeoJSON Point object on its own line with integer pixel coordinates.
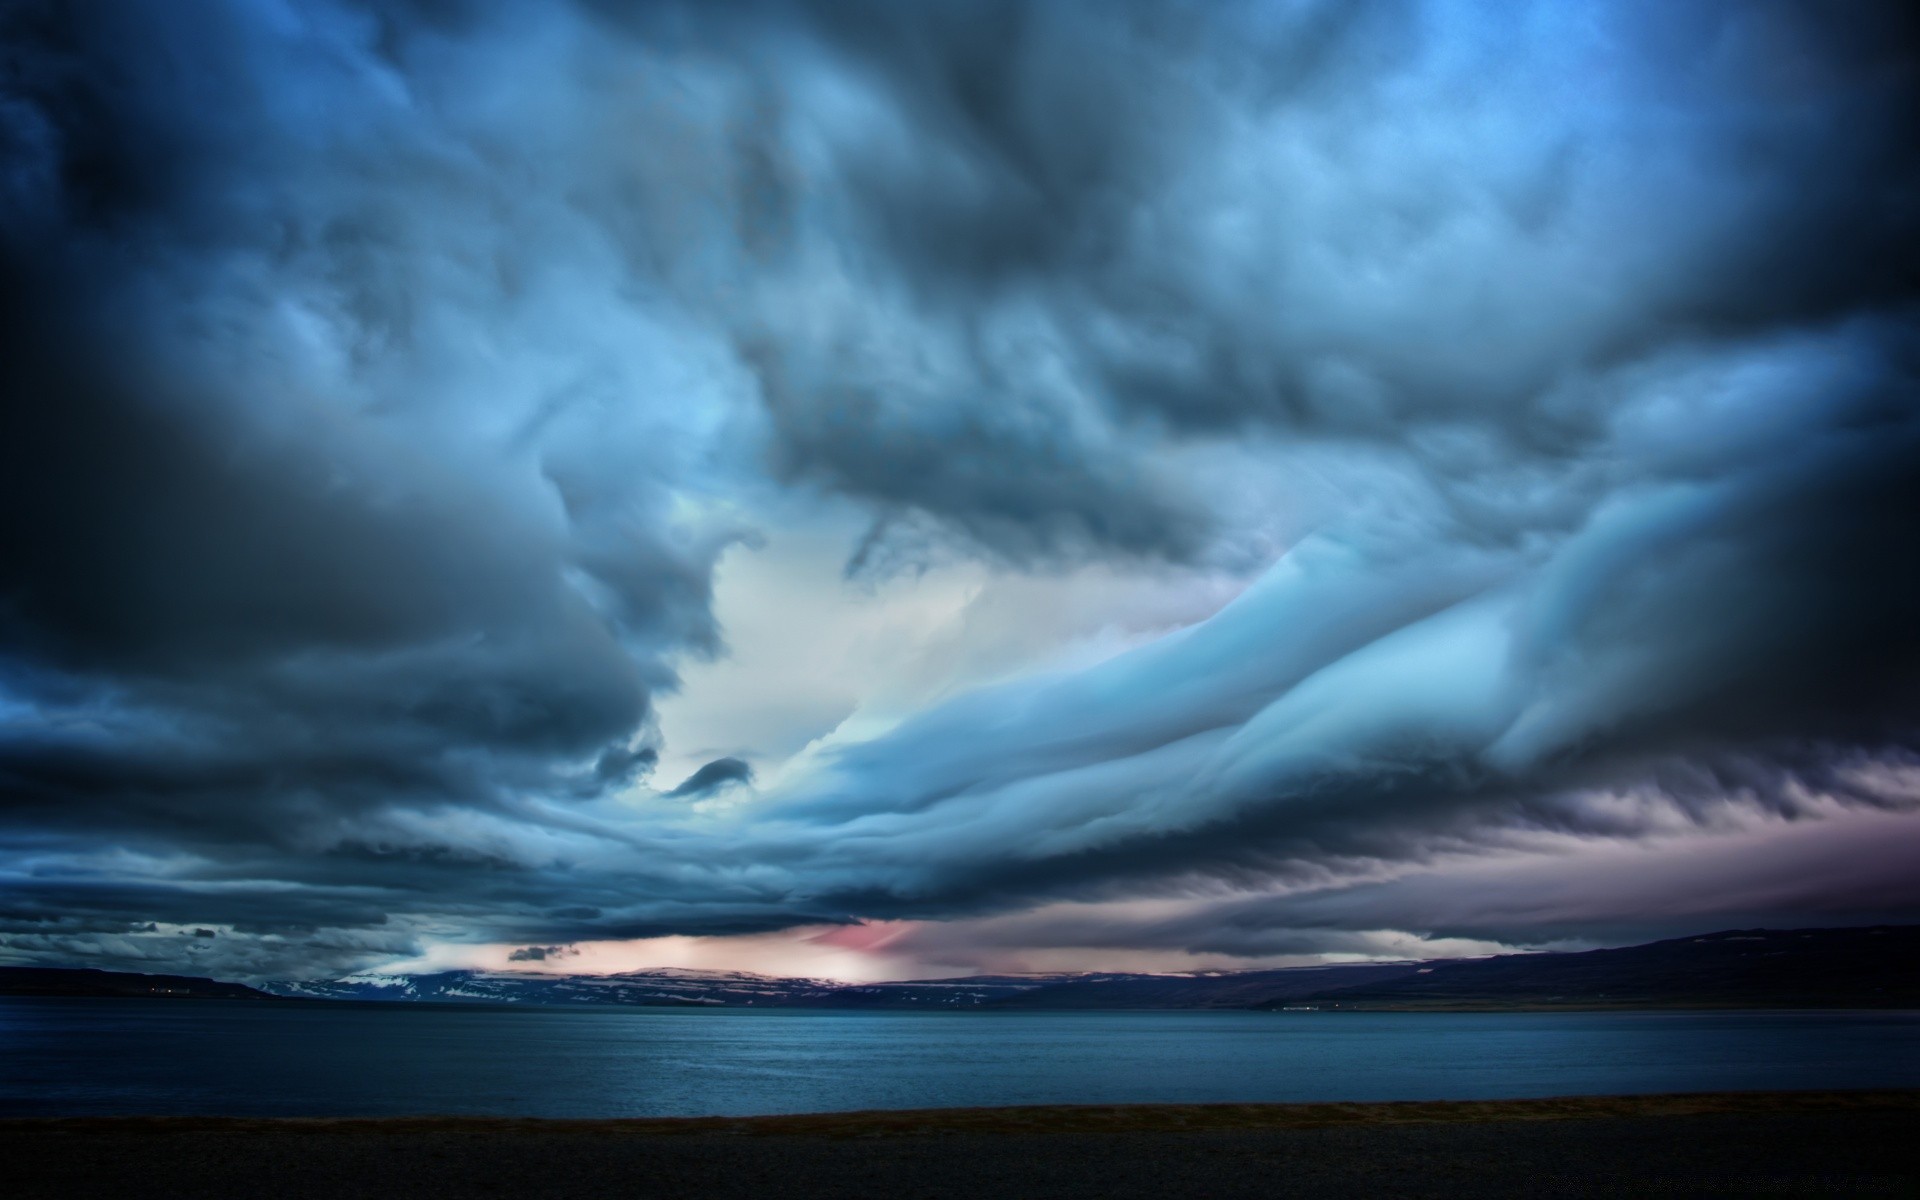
{"type": "Point", "coordinates": [385, 383]}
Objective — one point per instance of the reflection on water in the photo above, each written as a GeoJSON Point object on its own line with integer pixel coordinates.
{"type": "Point", "coordinates": [140, 1056]}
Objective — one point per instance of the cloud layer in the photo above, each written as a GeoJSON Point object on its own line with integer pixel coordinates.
{"type": "Point", "coordinates": [385, 380]}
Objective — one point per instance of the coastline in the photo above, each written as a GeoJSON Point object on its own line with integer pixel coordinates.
{"type": "Point", "coordinates": [1048, 1118]}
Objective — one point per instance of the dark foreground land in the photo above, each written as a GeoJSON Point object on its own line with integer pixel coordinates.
{"type": "Point", "coordinates": [1729, 1144]}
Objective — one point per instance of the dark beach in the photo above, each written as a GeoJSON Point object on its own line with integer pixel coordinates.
{"type": "Point", "coordinates": [1720, 1144]}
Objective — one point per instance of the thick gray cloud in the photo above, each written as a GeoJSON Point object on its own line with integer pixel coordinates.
{"type": "Point", "coordinates": [541, 953]}
{"type": "Point", "coordinates": [383, 382]}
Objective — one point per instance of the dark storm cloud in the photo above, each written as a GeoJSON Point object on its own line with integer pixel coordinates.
{"type": "Point", "coordinates": [540, 953]}
{"type": "Point", "coordinates": [380, 381]}
{"type": "Point", "coordinates": [1852, 869]}
{"type": "Point", "coordinates": [1193, 214]}
{"type": "Point", "coordinates": [714, 776]}
{"type": "Point", "coordinates": [253, 558]}
{"type": "Point", "coordinates": [1848, 871]}
{"type": "Point", "coordinates": [296, 537]}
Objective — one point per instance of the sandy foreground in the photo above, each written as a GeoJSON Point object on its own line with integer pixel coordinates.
{"type": "Point", "coordinates": [1721, 1144]}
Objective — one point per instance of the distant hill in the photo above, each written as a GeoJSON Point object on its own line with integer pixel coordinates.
{"type": "Point", "coordinates": [1213, 989]}
{"type": "Point", "coordinates": [973, 991]}
{"type": "Point", "coordinates": [1745, 968]}
{"type": "Point", "coordinates": [83, 981]}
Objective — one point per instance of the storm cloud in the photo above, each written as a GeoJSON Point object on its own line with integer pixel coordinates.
{"type": "Point", "coordinates": [383, 383]}
{"type": "Point", "coordinates": [715, 776]}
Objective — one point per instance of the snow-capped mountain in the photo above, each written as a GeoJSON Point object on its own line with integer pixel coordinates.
{"type": "Point", "coordinates": [665, 985]}
{"type": "Point", "coordinates": [720, 989]}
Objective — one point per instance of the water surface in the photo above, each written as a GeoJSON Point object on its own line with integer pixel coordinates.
{"type": "Point", "coordinates": [74, 1057]}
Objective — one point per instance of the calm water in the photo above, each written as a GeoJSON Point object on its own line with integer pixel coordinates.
{"type": "Point", "coordinates": [135, 1056]}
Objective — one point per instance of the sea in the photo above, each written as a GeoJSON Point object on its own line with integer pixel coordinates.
{"type": "Point", "coordinates": [70, 1057]}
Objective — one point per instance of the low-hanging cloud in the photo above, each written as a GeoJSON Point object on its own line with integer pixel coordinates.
{"type": "Point", "coordinates": [384, 381]}
{"type": "Point", "coordinates": [542, 953]}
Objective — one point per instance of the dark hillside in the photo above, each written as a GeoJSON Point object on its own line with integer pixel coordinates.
{"type": "Point", "coordinates": [1237, 989]}
{"type": "Point", "coordinates": [1876, 967]}
{"type": "Point", "coordinates": [85, 981]}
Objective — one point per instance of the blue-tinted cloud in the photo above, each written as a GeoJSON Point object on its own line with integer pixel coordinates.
{"type": "Point", "coordinates": [384, 381]}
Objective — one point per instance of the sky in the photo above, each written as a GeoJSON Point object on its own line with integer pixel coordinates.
{"type": "Point", "coordinates": [873, 491]}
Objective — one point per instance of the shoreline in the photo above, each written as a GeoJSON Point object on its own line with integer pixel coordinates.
{"type": "Point", "coordinates": [1026, 1119]}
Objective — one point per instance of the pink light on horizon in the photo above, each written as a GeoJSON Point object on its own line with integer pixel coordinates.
{"type": "Point", "coordinates": [844, 953]}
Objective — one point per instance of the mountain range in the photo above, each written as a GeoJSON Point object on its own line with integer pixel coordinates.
{"type": "Point", "coordinates": [1874, 967]}
{"type": "Point", "coordinates": [677, 987]}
